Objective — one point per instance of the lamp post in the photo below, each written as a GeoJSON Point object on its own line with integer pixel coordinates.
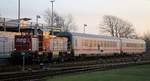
{"type": "Point", "coordinates": [37, 17]}
{"type": "Point", "coordinates": [84, 27]}
{"type": "Point", "coordinates": [4, 24]}
{"type": "Point", "coordinates": [52, 1]}
{"type": "Point", "coordinates": [18, 15]}
{"type": "Point", "coordinates": [37, 24]}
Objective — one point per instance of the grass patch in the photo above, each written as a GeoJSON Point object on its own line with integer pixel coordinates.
{"type": "Point", "coordinates": [137, 73]}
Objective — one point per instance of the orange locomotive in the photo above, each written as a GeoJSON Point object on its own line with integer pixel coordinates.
{"type": "Point", "coordinates": [39, 48]}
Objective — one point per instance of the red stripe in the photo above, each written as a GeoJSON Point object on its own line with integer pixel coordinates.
{"type": "Point", "coordinates": [105, 49]}
{"type": "Point", "coordinates": [94, 49]}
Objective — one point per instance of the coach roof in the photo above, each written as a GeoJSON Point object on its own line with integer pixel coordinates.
{"type": "Point", "coordinates": [85, 35]}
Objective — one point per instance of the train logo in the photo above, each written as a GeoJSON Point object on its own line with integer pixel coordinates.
{"type": "Point", "coordinates": [21, 40]}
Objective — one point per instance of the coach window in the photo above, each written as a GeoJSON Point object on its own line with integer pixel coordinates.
{"type": "Point", "coordinates": [101, 43]}
{"type": "Point", "coordinates": [76, 42]}
{"type": "Point", "coordinates": [93, 43]}
{"type": "Point", "coordinates": [114, 44]}
{"type": "Point", "coordinates": [88, 43]}
{"type": "Point", "coordinates": [96, 42]}
{"type": "Point", "coordinates": [84, 42]}
{"type": "Point", "coordinates": [111, 44]}
{"type": "Point", "coordinates": [108, 43]}
{"type": "Point", "coordinates": [105, 44]}
{"type": "Point", "coordinates": [142, 45]}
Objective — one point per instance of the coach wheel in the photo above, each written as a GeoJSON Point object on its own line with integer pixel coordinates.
{"type": "Point", "coordinates": [61, 59]}
{"type": "Point", "coordinates": [139, 58]}
{"type": "Point", "coordinates": [136, 58]}
{"type": "Point", "coordinates": [49, 57]}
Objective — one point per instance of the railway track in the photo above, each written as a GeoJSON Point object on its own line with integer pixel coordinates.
{"type": "Point", "coordinates": [38, 74]}
{"type": "Point", "coordinates": [12, 68]}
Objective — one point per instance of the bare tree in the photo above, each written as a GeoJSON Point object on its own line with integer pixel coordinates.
{"type": "Point", "coordinates": [117, 27]}
{"type": "Point", "coordinates": [66, 23]}
{"type": "Point", "coordinates": [146, 37]}
{"type": "Point", "coordinates": [69, 24]}
{"type": "Point", "coordinates": [108, 25]}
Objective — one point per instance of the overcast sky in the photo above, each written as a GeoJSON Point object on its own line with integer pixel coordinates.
{"type": "Point", "coordinates": [88, 12]}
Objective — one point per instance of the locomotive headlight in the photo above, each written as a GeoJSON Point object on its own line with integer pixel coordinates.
{"type": "Point", "coordinates": [68, 52]}
{"type": "Point", "coordinates": [15, 49]}
{"type": "Point", "coordinates": [29, 49]}
{"type": "Point", "coordinates": [40, 53]}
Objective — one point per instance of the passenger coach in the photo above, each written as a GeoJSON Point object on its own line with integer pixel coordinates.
{"type": "Point", "coordinates": [93, 45]}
